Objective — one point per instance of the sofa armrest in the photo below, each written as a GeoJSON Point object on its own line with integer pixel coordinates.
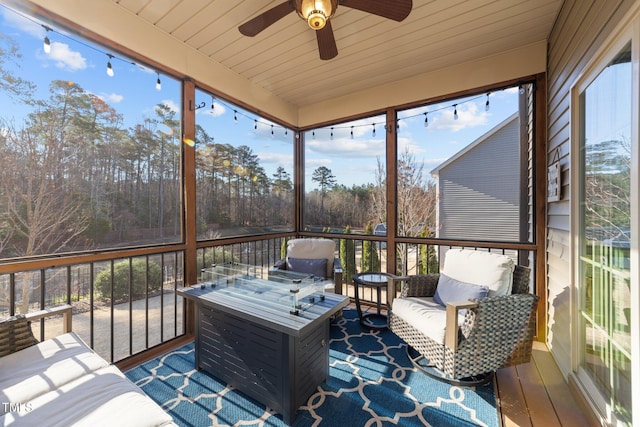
{"type": "Point", "coordinates": [419, 285]}
{"type": "Point", "coordinates": [16, 333]}
{"type": "Point", "coordinates": [65, 310]}
{"type": "Point", "coordinates": [504, 326]}
{"type": "Point", "coordinates": [451, 331]}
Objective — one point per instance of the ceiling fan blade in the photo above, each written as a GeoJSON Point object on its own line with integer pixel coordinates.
{"type": "Point", "coordinates": [391, 9]}
{"type": "Point", "coordinates": [262, 21]}
{"type": "Point", "coordinates": [326, 42]}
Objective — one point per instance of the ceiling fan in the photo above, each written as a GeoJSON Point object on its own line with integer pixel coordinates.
{"type": "Point", "coordinates": [318, 13]}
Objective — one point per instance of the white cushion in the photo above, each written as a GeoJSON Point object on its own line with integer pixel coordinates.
{"type": "Point", "coordinates": [44, 367]}
{"type": "Point", "coordinates": [424, 314]}
{"type": "Point", "coordinates": [480, 268]}
{"type": "Point", "coordinates": [102, 398]}
{"type": "Point", "coordinates": [313, 248]}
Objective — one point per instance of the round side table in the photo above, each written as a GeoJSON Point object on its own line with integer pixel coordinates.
{"type": "Point", "coordinates": [371, 280]}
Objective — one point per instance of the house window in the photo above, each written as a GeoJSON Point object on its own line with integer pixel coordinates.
{"type": "Point", "coordinates": [605, 278]}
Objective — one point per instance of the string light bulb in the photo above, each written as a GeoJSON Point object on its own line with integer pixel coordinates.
{"type": "Point", "coordinates": [455, 111]}
{"type": "Point", "coordinates": [332, 132]}
{"type": "Point", "coordinates": [46, 46]}
{"type": "Point", "coordinates": [235, 116]}
{"type": "Point", "coordinates": [486, 104]}
{"type": "Point", "coordinates": [426, 119]}
{"type": "Point", "coordinates": [213, 105]}
{"type": "Point", "coordinates": [255, 124]}
{"type": "Point", "coordinates": [373, 133]}
{"type": "Point", "coordinates": [351, 132]}
{"type": "Point", "coordinates": [158, 83]}
{"type": "Point", "coordinates": [110, 72]}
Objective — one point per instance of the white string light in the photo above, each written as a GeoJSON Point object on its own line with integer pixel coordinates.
{"type": "Point", "coordinates": [110, 72]}
{"type": "Point", "coordinates": [46, 43]}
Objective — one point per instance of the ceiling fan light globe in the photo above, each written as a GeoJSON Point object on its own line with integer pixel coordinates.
{"type": "Point", "coordinates": [316, 12]}
{"type": "Point", "coordinates": [317, 20]}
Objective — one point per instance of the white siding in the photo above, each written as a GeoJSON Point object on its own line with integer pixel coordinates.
{"type": "Point", "coordinates": [479, 192]}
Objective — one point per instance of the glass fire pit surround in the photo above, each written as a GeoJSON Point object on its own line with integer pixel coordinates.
{"type": "Point", "coordinates": [284, 290]}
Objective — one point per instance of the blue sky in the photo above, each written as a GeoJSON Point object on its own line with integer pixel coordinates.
{"type": "Point", "coordinates": [352, 159]}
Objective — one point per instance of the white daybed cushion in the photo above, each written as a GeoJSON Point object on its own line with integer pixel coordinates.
{"type": "Point", "coordinates": [424, 314]}
{"type": "Point", "coordinates": [101, 398]}
{"type": "Point", "coordinates": [480, 268]}
{"type": "Point", "coordinates": [45, 366]}
{"type": "Point", "coordinates": [313, 248]}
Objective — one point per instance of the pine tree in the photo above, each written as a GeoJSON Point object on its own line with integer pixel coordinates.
{"type": "Point", "coordinates": [370, 260]}
{"type": "Point", "coordinates": [348, 257]}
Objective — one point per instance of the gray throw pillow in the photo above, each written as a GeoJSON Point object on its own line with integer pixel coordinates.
{"type": "Point", "coordinates": [454, 290]}
{"type": "Point", "coordinates": [317, 267]}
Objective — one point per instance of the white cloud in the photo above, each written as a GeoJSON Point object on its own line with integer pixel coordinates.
{"type": "Point", "coordinates": [112, 98]}
{"type": "Point", "coordinates": [410, 145]}
{"type": "Point", "coordinates": [280, 159]}
{"type": "Point", "coordinates": [171, 104]}
{"type": "Point", "coordinates": [347, 147]}
{"type": "Point", "coordinates": [469, 115]}
{"type": "Point", "coordinates": [315, 163]}
{"type": "Point", "coordinates": [65, 58]}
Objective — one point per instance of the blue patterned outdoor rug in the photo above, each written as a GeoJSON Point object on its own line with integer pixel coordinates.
{"type": "Point", "coordinates": [371, 383]}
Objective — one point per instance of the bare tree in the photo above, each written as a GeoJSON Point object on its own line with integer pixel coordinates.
{"type": "Point", "coordinates": [416, 204]}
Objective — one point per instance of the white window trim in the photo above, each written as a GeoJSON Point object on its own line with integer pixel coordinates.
{"type": "Point", "coordinates": [628, 29]}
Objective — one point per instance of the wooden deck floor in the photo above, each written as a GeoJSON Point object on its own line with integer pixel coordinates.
{"type": "Point", "coordinates": [535, 394]}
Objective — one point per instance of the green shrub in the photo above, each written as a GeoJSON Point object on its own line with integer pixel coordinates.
{"type": "Point", "coordinates": [370, 260]}
{"type": "Point", "coordinates": [428, 262]}
{"type": "Point", "coordinates": [348, 257]}
{"type": "Point", "coordinates": [122, 276]}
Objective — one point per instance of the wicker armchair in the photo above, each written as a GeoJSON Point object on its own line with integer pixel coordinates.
{"type": "Point", "coordinates": [493, 332]}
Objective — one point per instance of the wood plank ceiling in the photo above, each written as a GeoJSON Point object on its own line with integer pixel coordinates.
{"type": "Point", "coordinates": [371, 50]}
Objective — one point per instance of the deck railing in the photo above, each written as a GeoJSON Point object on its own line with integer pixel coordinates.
{"type": "Point", "coordinates": [126, 304]}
